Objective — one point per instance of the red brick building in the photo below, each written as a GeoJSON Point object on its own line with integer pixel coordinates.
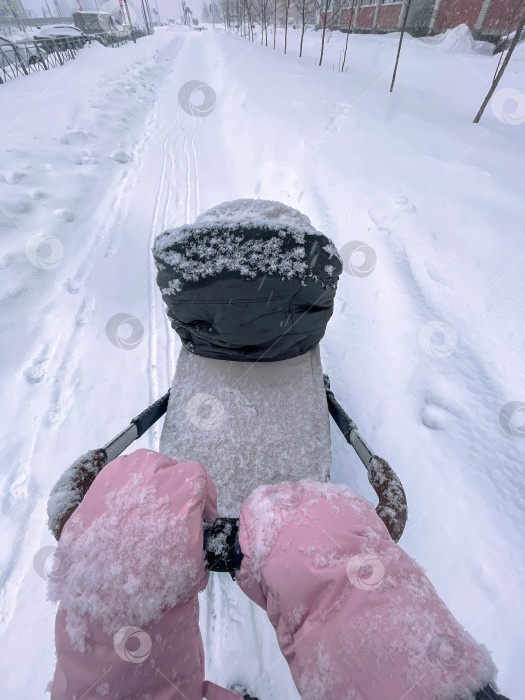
{"type": "Point", "coordinates": [487, 19]}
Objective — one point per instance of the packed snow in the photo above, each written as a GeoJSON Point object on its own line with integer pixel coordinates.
{"type": "Point", "coordinates": [425, 348]}
{"type": "Point", "coordinates": [237, 419]}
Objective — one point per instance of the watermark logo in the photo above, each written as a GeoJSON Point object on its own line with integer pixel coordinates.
{"type": "Point", "coordinates": [197, 98]}
{"type": "Point", "coordinates": [445, 651]}
{"type": "Point", "coordinates": [290, 495]}
{"type": "Point", "coordinates": [51, 564]}
{"type": "Point", "coordinates": [438, 339]}
{"type": "Point", "coordinates": [508, 106]}
{"type": "Point", "coordinates": [359, 259]}
{"type": "Point", "coordinates": [44, 251]}
{"type": "Point", "coordinates": [132, 644]}
{"type": "Point", "coordinates": [205, 411]}
{"type": "Point", "coordinates": [512, 418]}
{"type": "Point", "coordinates": [124, 331]}
{"type": "Point", "coordinates": [365, 572]}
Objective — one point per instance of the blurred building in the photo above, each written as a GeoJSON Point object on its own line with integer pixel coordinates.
{"type": "Point", "coordinates": [486, 19]}
{"type": "Point", "coordinates": [12, 8]}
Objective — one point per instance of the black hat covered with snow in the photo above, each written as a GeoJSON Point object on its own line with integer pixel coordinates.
{"type": "Point", "coordinates": [249, 280]}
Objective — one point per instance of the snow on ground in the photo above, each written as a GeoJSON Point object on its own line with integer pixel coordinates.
{"type": "Point", "coordinates": [425, 347]}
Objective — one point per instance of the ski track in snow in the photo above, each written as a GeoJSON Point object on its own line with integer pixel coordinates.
{"type": "Point", "coordinates": [169, 211]}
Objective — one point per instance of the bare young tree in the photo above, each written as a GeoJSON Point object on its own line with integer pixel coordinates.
{"type": "Point", "coordinates": [262, 11]}
{"type": "Point", "coordinates": [243, 19]}
{"type": "Point", "coordinates": [226, 13]}
{"type": "Point", "coordinates": [328, 19]}
{"type": "Point", "coordinates": [275, 2]}
{"type": "Point", "coordinates": [405, 9]}
{"type": "Point", "coordinates": [351, 15]}
{"type": "Point", "coordinates": [304, 7]}
{"type": "Point", "coordinates": [499, 74]}
{"type": "Point", "coordinates": [248, 4]}
{"type": "Point", "coordinates": [286, 6]}
{"type": "Point", "coordinates": [206, 12]}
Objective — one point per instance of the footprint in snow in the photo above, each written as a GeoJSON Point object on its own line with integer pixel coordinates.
{"type": "Point", "coordinates": [38, 194]}
{"type": "Point", "coordinates": [6, 221]}
{"type": "Point", "coordinates": [386, 211]}
{"type": "Point", "coordinates": [85, 313]}
{"type": "Point", "coordinates": [16, 177]}
{"type": "Point", "coordinates": [57, 413]}
{"type": "Point", "coordinates": [86, 159]}
{"type": "Point", "coordinates": [75, 137]}
{"type": "Point", "coordinates": [436, 274]}
{"type": "Point", "coordinates": [18, 489]}
{"type": "Point", "coordinates": [73, 285]}
{"type": "Point", "coordinates": [7, 260]}
{"type": "Point", "coordinates": [37, 371]}
{"type": "Point", "coordinates": [64, 214]}
{"type": "Point", "coordinates": [120, 156]}
{"type": "Point", "coordinates": [89, 160]}
{"type": "Point", "coordinates": [278, 180]}
{"type": "Point", "coordinates": [18, 207]}
{"type": "Point", "coordinates": [436, 414]}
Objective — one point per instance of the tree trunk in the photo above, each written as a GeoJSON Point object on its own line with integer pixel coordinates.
{"type": "Point", "coordinates": [350, 19]}
{"type": "Point", "coordinates": [303, 29]}
{"type": "Point", "coordinates": [400, 44]}
{"type": "Point", "coordinates": [250, 30]}
{"type": "Point", "coordinates": [325, 25]}
{"type": "Point", "coordinates": [322, 42]}
{"type": "Point", "coordinates": [286, 25]}
{"type": "Point", "coordinates": [274, 22]}
{"type": "Point", "coordinates": [502, 69]}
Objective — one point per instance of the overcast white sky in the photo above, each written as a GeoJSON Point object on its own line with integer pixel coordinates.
{"type": "Point", "coordinates": [168, 9]}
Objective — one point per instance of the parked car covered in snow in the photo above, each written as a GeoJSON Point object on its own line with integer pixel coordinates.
{"type": "Point", "coordinates": [18, 57]}
{"type": "Point", "coordinates": [60, 37]}
{"type": "Point", "coordinates": [505, 41]}
{"type": "Point", "coordinates": [104, 25]}
{"type": "Point", "coordinates": [31, 52]}
{"type": "Point", "coordinates": [27, 51]}
{"type": "Point", "coordinates": [8, 54]}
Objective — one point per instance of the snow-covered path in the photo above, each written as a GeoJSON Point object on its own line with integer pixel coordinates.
{"type": "Point", "coordinates": [425, 346]}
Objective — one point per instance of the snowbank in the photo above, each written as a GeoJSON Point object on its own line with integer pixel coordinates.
{"type": "Point", "coordinates": [460, 40]}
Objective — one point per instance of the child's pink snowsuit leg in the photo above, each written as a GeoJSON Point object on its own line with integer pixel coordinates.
{"type": "Point", "coordinates": [355, 616]}
{"type": "Point", "coordinates": [132, 563]}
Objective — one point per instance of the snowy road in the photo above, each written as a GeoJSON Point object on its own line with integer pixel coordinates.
{"type": "Point", "coordinates": [426, 345]}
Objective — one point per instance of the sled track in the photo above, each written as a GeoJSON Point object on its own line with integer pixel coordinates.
{"type": "Point", "coordinates": [170, 211]}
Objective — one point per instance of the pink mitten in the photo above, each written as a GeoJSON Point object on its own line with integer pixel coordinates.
{"type": "Point", "coordinates": [131, 565]}
{"type": "Point", "coordinates": [355, 616]}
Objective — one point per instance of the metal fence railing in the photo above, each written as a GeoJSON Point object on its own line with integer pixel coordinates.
{"type": "Point", "coordinates": [28, 56]}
